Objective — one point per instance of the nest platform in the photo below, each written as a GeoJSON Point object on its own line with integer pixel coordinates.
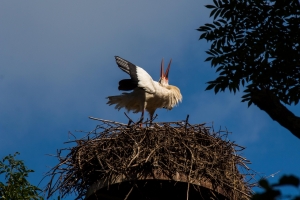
{"type": "Point", "coordinates": [167, 160]}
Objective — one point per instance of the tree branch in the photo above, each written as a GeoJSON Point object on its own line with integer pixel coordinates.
{"type": "Point", "coordinates": [268, 102]}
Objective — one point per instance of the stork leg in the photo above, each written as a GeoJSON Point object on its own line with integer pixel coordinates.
{"type": "Point", "coordinates": [142, 118]}
{"type": "Point", "coordinates": [151, 119]}
{"type": "Point", "coordinates": [130, 120]}
{"type": "Point", "coordinates": [143, 107]}
{"type": "Point", "coordinates": [151, 116]}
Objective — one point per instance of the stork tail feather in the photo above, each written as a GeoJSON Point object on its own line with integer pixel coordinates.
{"type": "Point", "coordinates": [124, 101]}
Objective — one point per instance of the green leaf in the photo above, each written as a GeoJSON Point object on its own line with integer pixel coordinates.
{"type": "Point", "coordinates": [220, 68]}
{"type": "Point", "coordinates": [289, 180]}
{"type": "Point", "coordinates": [213, 12]}
{"type": "Point", "coordinates": [208, 59]}
{"type": "Point", "coordinates": [203, 28]}
{"type": "Point", "coordinates": [249, 103]}
{"type": "Point", "coordinates": [209, 87]}
{"type": "Point", "coordinates": [246, 96]}
{"type": "Point", "coordinates": [210, 25]}
{"type": "Point", "coordinates": [217, 88]}
{"type": "Point", "coordinates": [202, 36]}
{"type": "Point", "coordinates": [210, 6]}
{"type": "Point", "coordinates": [216, 3]}
{"type": "Point", "coordinates": [264, 184]}
{"type": "Point", "coordinates": [209, 52]}
{"type": "Point", "coordinates": [245, 99]}
{"type": "Point", "coordinates": [222, 21]}
{"type": "Point", "coordinates": [223, 73]}
{"type": "Point", "coordinates": [217, 13]}
{"type": "Point", "coordinates": [223, 13]}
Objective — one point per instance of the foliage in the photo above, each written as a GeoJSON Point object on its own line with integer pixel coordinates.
{"type": "Point", "coordinates": [272, 192]}
{"type": "Point", "coordinates": [255, 43]}
{"type": "Point", "coordinates": [15, 174]}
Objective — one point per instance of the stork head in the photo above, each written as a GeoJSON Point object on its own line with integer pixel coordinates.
{"type": "Point", "coordinates": [164, 76]}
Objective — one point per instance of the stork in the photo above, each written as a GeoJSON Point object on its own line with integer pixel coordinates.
{"type": "Point", "coordinates": [147, 94]}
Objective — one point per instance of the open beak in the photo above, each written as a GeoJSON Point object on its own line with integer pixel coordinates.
{"type": "Point", "coordinates": [162, 74]}
{"type": "Point", "coordinates": [167, 71]}
{"type": "Point", "coordinates": [162, 69]}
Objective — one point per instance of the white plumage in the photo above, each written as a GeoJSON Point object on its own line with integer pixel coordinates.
{"type": "Point", "coordinates": [147, 94]}
{"type": "Point", "coordinates": [145, 80]}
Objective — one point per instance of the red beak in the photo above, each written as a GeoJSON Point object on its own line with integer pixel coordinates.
{"type": "Point", "coordinates": [162, 69]}
{"type": "Point", "coordinates": [167, 71]}
{"type": "Point", "coordinates": [162, 74]}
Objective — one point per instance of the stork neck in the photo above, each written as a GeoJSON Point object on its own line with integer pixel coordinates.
{"type": "Point", "coordinates": [164, 82]}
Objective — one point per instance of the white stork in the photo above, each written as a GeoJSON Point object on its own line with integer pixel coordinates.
{"type": "Point", "coordinates": [147, 94]}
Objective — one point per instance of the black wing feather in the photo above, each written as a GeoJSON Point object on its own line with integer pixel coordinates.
{"type": "Point", "coordinates": [131, 69]}
{"type": "Point", "coordinates": [127, 67]}
{"type": "Point", "coordinates": [127, 84]}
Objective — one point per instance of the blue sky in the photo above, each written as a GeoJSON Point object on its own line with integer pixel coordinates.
{"type": "Point", "coordinates": [57, 67]}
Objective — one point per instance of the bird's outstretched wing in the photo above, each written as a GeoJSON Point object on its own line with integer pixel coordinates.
{"type": "Point", "coordinates": [139, 77]}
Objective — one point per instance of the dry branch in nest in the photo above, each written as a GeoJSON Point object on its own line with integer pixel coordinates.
{"type": "Point", "coordinates": [176, 151]}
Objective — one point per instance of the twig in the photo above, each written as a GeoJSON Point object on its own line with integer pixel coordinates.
{"type": "Point", "coordinates": [129, 192]}
{"type": "Point", "coordinates": [186, 121]}
{"type": "Point", "coordinates": [130, 120]}
{"type": "Point", "coordinates": [108, 121]}
{"type": "Point", "coordinates": [271, 175]}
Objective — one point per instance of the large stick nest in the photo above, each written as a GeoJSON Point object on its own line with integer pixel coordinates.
{"type": "Point", "coordinates": [172, 149]}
